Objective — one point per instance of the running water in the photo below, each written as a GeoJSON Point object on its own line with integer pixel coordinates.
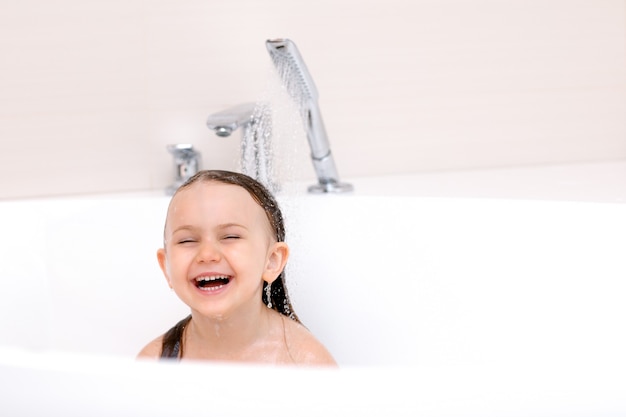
{"type": "Point", "coordinates": [271, 148]}
{"type": "Point", "coordinates": [256, 148]}
{"type": "Point", "coordinates": [274, 152]}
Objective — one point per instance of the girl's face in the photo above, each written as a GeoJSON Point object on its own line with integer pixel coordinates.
{"type": "Point", "coordinates": [219, 249]}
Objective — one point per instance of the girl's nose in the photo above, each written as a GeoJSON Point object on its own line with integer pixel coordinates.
{"type": "Point", "coordinates": [208, 252]}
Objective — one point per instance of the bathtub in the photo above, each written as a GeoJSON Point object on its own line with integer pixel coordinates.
{"type": "Point", "coordinates": [479, 293]}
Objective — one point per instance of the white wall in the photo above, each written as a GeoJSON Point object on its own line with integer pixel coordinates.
{"type": "Point", "coordinates": [92, 91]}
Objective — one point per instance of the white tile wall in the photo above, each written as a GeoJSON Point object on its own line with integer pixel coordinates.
{"type": "Point", "coordinates": [92, 91]}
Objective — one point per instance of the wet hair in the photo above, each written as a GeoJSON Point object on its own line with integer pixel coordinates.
{"type": "Point", "coordinates": [278, 296]}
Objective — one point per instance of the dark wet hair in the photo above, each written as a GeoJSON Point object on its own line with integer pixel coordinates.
{"type": "Point", "coordinates": [279, 297]}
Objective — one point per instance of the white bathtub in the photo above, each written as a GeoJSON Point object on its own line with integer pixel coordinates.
{"type": "Point", "coordinates": [433, 302]}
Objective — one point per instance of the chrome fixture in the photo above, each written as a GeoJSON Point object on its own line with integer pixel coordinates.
{"type": "Point", "coordinates": [256, 153]}
{"type": "Point", "coordinates": [186, 164]}
{"type": "Point", "coordinates": [226, 122]}
{"type": "Point", "coordinates": [299, 84]}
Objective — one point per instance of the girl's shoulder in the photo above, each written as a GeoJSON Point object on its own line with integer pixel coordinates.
{"type": "Point", "coordinates": [304, 347]}
{"type": "Point", "coordinates": [152, 350]}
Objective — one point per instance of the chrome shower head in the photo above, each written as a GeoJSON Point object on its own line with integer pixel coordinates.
{"type": "Point", "coordinates": [299, 84]}
{"type": "Point", "coordinates": [293, 72]}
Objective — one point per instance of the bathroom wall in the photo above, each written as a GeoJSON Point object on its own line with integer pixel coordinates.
{"type": "Point", "coordinates": [92, 91]}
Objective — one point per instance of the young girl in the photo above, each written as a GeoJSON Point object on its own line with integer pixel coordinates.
{"type": "Point", "coordinates": [224, 255]}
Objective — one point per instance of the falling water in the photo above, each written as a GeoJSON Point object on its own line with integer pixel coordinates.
{"type": "Point", "coordinates": [271, 148]}
{"type": "Point", "coordinates": [256, 148]}
{"type": "Point", "coordinates": [274, 150]}
{"type": "Point", "coordinates": [293, 85]}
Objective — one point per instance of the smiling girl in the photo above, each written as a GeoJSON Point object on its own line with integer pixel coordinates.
{"type": "Point", "coordinates": [224, 255]}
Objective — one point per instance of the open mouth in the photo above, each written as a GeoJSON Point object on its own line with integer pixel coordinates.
{"type": "Point", "coordinates": [212, 283]}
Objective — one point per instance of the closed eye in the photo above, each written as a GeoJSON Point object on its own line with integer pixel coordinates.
{"type": "Point", "coordinates": [182, 241]}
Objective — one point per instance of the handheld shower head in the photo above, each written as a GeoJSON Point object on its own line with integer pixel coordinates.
{"type": "Point", "coordinates": [299, 84]}
{"type": "Point", "coordinates": [293, 72]}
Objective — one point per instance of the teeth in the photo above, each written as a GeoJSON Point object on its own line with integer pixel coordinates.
{"type": "Point", "coordinates": [213, 278]}
{"type": "Point", "coordinates": [215, 288]}
{"type": "Point", "coordinates": [212, 283]}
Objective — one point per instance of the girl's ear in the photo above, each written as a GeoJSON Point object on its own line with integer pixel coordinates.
{"type": "Point", "coordinates": [276, 261]}
{"type": "Point", "coordinates": [163, 265]}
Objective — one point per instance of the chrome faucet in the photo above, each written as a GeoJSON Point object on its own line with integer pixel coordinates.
{"type": "Point", "coordinates": [226, 122]}
{"type": "Point", "coordinates": [299, 84]}
{"type": "Point", "coordinates": [256, 153]}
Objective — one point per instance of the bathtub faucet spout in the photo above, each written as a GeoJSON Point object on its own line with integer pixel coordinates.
{"type": "Point", "coordinates": [226, 122]}
{"type": "Point", "coordinates": [255, 150]}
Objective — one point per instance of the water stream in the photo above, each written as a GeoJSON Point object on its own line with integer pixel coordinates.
{"type": "Point", "coordinates": [272, 147]}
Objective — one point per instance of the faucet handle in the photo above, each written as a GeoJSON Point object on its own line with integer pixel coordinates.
{"type": "Point", "coordinates": [186, 164]}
